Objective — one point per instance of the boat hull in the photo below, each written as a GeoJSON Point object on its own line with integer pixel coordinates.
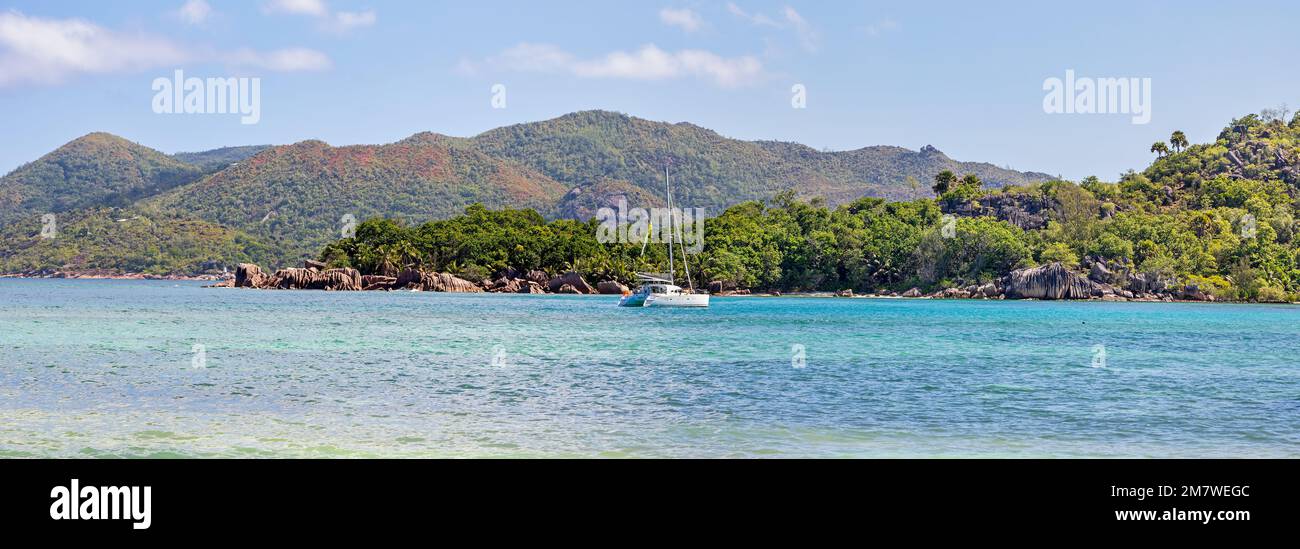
{"type": "Point", "coordinates": [677, 300]}
{"type": "Point", "coordinates": [661, 300]}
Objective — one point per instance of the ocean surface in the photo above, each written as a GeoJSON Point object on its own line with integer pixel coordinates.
{"type": "Point", "coordinates": [166, 369]}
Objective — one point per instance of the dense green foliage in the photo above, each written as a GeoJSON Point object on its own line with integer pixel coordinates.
{"type": "Point", "coordinates": [483, 242]}
{"type": "Point", "coordinates": [126, 241]}
{"type": "Point", "coordinates": [787, 244]}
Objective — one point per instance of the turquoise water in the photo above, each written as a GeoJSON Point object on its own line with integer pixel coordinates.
{"type": "Point", "coordinates": [108, 369]}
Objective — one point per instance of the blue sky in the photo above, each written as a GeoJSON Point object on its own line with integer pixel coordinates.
{"type": "Point", "coordinates": [966, 77]}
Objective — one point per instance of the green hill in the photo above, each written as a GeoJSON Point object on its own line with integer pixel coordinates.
{"type": "Point", "coordinates": [712, 171]}
{"type": "Point", "coordinates": [92, 171]}
{"type": "Point", "coordinates": [296, 197]}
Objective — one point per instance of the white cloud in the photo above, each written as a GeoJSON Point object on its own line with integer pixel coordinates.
{"type": "Point", "coordinates": [194, 12]}
{"type": "Point", "coordinates": [685, 18]}
{"type": "Point", "coordinates": [647, 63]}
{"type": "Point", "coordinates": [807, 35]}
{"type": "Point", "coordinates": [755, 19]}
{"type": "Point", "coordinates": [330, 21]}
{"type": "Point", "coordinates": [40, 51]}
{"type": "Point", "coordinates": [285, 60]}
{"type": "Point", "coordinates": [36, 50]}
{"type": "Point", "coordinates": [790, 19]}
{"type": "Point", "coordinates": [314, 8]}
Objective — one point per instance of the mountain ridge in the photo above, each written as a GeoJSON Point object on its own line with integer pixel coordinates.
{"type": "Point", "coordinates": [293, 198]}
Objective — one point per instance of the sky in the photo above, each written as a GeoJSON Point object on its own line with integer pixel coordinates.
{"type": "Point", "coordinates": [965, 77]}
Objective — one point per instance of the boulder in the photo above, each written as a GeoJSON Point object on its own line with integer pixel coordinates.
{"type": "Point", "coordinates": [312, 264]}
{"type": "Point", "coordinates": [1153, 283]}
{"type": "Point", "coordinates": [530, 287]}
{"type": "Point", "coordinates": [378, 282]}
{"type": "Point", "coordinates": [844, 293]}
{"type": "Point", "coordinates": [539, 277]}
{"type": "Point", "coordinates": [567, 289]}
{"type": "Point", "coordinates": [987, 291]}
{"type": "Point", "coordinates": [340, 280]}
{"type": "Point", "coordinates": [914, 292]}
{"type": "Point", "coordinates": [1047, 282]}
{"type": "Point", "coordinates": [248, 275]}
{"type": "Point", "coordinates": [443, 282]}
{"type": "Point", "coordinates": [1101, 274]}
{"type": "Point", "coordinates": [408, 277]}
{"type": "Point", "coordinates": [296, 279]}
{"type": "Point", "coordinates": [1193, 292]}
{"type": "Point", "coordinates": [611, 287]}
{"type": "Point", "coordinates": [415, 279]}
{"type": "Point", "coordinates": [571, 279]}
{"type": "Point", "coordinates": [507, 286]}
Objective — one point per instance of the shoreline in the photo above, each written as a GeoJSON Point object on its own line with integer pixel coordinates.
{"type": "Point", "coordinates": [728, 294]}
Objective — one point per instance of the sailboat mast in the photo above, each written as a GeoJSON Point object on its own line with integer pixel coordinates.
{"type": "Point", "coordinates": [679, 236]}
{"type": "Point", "coordinates": [672, 271]}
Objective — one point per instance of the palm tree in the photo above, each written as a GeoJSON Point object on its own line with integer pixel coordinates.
{"type": "Point", "coordinates": [943, 182]}
{"type": "Point", "coordinates": [1160, 148]}
{"type": "Point", "coordinates": [1178, 140]}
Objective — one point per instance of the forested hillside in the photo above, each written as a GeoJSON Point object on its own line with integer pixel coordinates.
{"type": "Point", "coordinates": [715, 172]}
{"type": "Point", "coordinates": [92, 171]}
{"type": "Point", "coordinates": [296, 197]}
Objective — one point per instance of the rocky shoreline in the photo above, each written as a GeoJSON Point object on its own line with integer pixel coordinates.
{"type": "Point", "coordinates": [1103, 282]}
{"type": "Point", "coordinates": [314, 275]}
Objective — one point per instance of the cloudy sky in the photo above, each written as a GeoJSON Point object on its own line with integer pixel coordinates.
{"type": "Point", "coordinates": [966, 77]}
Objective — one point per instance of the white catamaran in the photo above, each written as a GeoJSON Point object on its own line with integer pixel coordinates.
{"type": "Point", "coordinates": [659, 290]}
